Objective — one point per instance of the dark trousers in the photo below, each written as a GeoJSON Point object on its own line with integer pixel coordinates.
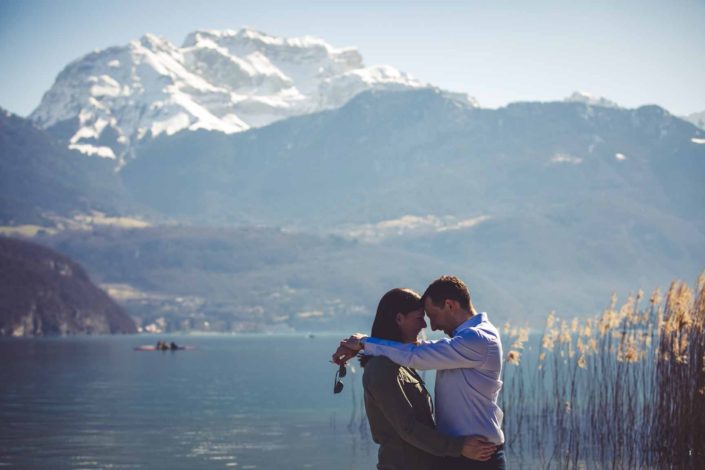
{"type": "Point", "coordinates": [497, 462]}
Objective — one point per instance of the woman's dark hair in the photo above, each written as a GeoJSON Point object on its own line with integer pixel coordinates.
{"type": "Point", "coordinates": [385, 325]}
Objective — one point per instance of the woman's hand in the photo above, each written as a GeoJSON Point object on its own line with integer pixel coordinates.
{"type": "Point", "coordinates": [343, 354]}
{"type": "Point", "coordinates": [348, 348]}
{"type": "Point", "coordinates": [478, 448]}
{"type": "Point", "coordinates": [354, 342]}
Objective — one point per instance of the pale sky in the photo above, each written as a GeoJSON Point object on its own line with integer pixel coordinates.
{"type": "Point", "coordinates": [632, 52]}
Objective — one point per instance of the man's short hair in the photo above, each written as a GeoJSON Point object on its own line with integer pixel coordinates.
{"type": "Point", "coordinates": [447, 287]}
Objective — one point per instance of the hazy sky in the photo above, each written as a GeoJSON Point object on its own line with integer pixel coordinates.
{"type": "Point", "coordinates": [633, 52]}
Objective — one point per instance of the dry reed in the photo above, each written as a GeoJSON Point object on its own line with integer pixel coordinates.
{"type": "Point", "coordinates": [623, 390]}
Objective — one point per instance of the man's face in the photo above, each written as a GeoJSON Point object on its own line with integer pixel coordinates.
{"type": "Point", "coordinates": [437, 316]}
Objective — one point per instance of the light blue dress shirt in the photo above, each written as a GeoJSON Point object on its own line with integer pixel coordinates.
{"type": "Point", "coordinates": [468, 381]}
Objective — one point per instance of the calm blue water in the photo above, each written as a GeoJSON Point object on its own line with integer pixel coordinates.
{"type": "Point", "coordinates": [244, 402]}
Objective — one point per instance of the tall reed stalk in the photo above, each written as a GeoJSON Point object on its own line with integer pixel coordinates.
{"type": "Point", "coordinates": [625, 389]}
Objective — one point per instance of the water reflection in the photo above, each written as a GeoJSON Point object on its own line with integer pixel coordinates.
{"type": "Point", "coordinates": [357, 427]}
{"type": "Point", "coordinates": [235, 402]}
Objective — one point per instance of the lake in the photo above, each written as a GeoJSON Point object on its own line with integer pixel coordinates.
{"type": "Point", "coordinates": [245, 402]}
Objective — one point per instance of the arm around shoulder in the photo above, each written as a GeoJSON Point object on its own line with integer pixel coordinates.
{"type": "Point", "coordinates": [467, 350]}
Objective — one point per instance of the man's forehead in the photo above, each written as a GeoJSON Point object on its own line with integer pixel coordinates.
{"type": "Point", "coordinates": [429, 309]}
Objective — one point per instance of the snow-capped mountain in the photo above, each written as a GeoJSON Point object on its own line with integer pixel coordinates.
{"type": "Point", "coordinates": [590, 99]}
{"type": "Point", "coordinates": [227, 81]}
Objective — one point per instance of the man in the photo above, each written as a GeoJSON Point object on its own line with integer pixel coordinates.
{"type": "Point", "coordinates": [469, 365]}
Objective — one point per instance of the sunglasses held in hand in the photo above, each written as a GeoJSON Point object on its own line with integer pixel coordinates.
{"type": "Point", "coordinates": [339, 374]}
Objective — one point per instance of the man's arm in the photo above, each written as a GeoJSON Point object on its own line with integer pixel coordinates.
{"type": "Point", "coordinates": [465, 351]}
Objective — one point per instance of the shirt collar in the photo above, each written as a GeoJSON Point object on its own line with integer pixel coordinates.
{"type": "Point", "coordinates": [470, 322]}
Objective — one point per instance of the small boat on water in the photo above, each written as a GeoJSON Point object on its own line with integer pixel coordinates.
{"type": "Point", "coordinates": [154, 348]}
{"type": "Point", "coordinates": [163, 346]}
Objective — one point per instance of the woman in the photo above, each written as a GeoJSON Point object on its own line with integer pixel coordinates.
{"type": "Point", "coordinates": [399, 408]}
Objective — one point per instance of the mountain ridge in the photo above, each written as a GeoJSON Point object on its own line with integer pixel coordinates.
{"type": "Point", "coordinates": [40, 179]}
{"type": "Point", "coordinates": [45, 293]}
{"type": "Point", "coordinates": [368, 150]}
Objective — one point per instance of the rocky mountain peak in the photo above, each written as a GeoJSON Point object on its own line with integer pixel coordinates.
{"type": "Point", "coordinates": [227, 81]}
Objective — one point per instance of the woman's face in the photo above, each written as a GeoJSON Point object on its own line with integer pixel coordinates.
{"type": "Point", "coordinates": [411, 325]}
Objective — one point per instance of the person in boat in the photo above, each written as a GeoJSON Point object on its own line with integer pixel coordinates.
{"type": "Point", "coordinates": [399, 408]}
{"type": "Point", "coordinates": [173, 346]}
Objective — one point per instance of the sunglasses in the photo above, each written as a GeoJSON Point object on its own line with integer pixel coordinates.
{"type": "Point", "coordinates": [339, 374]}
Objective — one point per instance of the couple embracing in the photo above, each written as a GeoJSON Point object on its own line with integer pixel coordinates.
{"type": "Point", "coordinates": [467, 430]}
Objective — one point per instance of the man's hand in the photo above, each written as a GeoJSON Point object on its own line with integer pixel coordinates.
{"type": "Point", "coordinates": [343, 354]}
{"type": "Point", "coordinates": [478, 448]}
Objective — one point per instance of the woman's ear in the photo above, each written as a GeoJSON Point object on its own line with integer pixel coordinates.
{"type": "Point", "coordinates": [399, 318]}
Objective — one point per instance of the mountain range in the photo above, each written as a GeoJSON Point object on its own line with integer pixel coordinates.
{"type": "Point", "coordinates": [227, 81]}
{"type": "Point", "coordinates": [387, 155]}
{"type": "Point", "coordinates": [305, 214]}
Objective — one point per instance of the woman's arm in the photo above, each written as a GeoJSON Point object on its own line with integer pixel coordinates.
{"type": "Point", "coordinates": [387, 389]}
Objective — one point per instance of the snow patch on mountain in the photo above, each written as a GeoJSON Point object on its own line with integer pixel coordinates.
{"type": "Point", "coordinates": [225, 81]}
{"type": "Point", "coordinates": [697, 118]}
{"type": "Point", "coordinates": [564, 158]}
{"type": "Point", "coordinates": [408, 225]}
{"type": "Point", "coordinates": [86, 149]}
{"type": "Point", "coordinates": [590, 99]}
